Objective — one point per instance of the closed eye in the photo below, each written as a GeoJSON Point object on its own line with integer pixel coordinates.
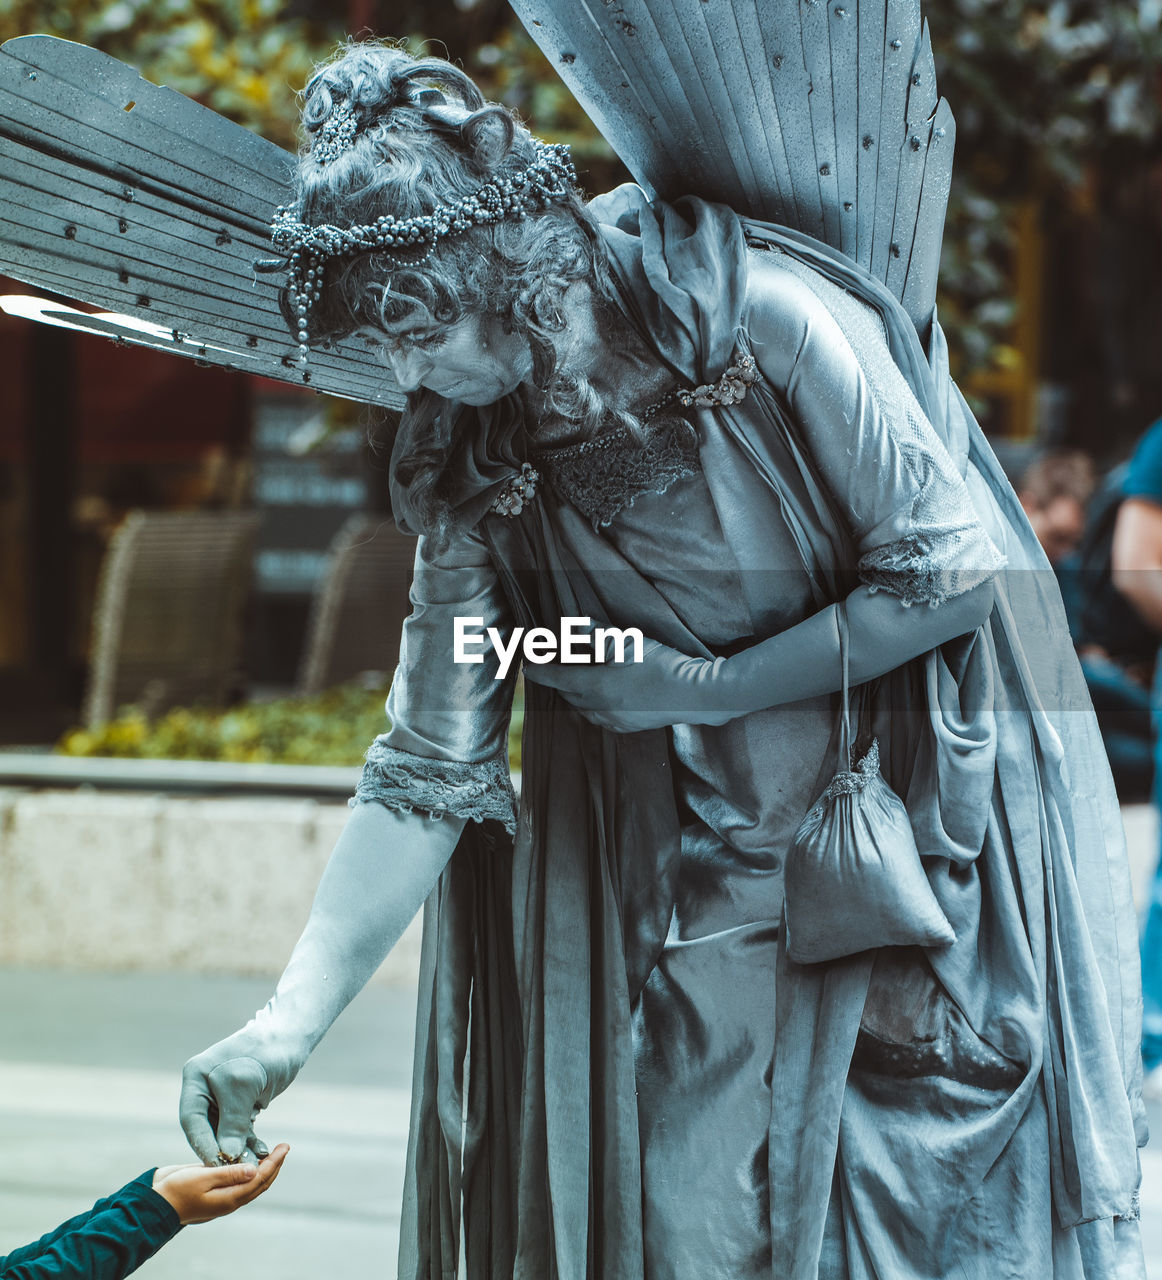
{"type": "Point", "coordinates": [433, 340]}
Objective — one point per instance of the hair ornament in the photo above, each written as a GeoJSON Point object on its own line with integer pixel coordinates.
{"type": "Point", "coordinates": [336, 134]}
{"type": "Point", "coordinates": [547, 179]}
{"type": "Point", "coordinates": [344, 123]}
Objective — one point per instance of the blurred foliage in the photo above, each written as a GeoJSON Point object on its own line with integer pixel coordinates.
{"type": "Point", "coordinates": [244, 58]}
{"type": "Point", "coordinates": [1042, 93]}
{"type": "Point", "coordinates": [1051, 101]}
{"type": "Point", "coordinates": [334, 727]}
{"type": "Point", "coordinates": [249, 58]}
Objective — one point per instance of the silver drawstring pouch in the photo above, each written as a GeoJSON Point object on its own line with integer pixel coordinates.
{"type": "Point", "coordinates": [854, 876]}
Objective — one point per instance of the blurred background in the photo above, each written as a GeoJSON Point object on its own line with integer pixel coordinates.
{"type": "Point", "coordinates": [201, 588]}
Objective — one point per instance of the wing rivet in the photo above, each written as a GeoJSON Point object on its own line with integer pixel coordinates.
{"type": "Point", "coordinates": [32, 75]}
{"type": "Point", "coordinates": [777, 61]}
{"type": "Point", "coordinates": [70, 232]}
{"type": "Point", "coordinates": [568, 59]}
{"type": "Point", "coordinates": [915, 77]}
{"type": "Point", "coordinates": [824, 169]}
{"type": "Point", "coordinates": [841, 13]}
{"type": "Point", "coordinates": [868, 142]}
{"type": "Point", "coordinates": [896, 44]}
{"type": "Point", "coordinates": [914, 143]}
{"type": "Point", "coordinates": [848, 206]}
{"type": "Point", "coordinates": [122, 225]}
{"type": "Point", "coordinates": [938, 133]}
{"type": "Point", "coordinates": [895, 251]}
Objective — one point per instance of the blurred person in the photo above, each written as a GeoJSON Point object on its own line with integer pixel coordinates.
{"type": "Point", "coordinates": [1115, 646]}
{"type": "Point", "coordinates": [1055, 491]}
{"type": "Point", "coordinates": [728, 435]}
{"type": "Point", "coordinates": [126, 1229]}
{"type": "Point", "coordinates": [1137, 575]}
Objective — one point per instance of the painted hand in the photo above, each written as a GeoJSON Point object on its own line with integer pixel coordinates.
{"type": "Point", "coordinates": [227, 1085]}
{"type": "Point", "coordinates": [665, 688]}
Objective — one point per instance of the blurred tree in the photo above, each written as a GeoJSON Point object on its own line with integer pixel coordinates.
{"type": "Point", "coordinates": [1051, 100]}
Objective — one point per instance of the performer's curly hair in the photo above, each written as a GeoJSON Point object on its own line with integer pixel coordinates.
{"type": "Point", "coordinates": [408, 157]}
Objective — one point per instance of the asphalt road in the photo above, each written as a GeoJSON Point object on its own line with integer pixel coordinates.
{"type": "Point", "coordinates": [89, 1067]}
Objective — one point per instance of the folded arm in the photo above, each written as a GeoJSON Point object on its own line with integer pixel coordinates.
{"type": "Point", "coordinates": [916, 536]}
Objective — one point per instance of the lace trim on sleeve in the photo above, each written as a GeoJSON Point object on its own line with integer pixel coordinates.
{"type": "Point", "coordinates": [410, 783]}
{"type": "Point", "coordinates": [911, 569]}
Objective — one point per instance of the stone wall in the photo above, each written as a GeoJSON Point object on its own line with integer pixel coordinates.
{"type": "Point", "coordinates": [123, 880]}
{"type": "Point", "coordinates": [118, 880]}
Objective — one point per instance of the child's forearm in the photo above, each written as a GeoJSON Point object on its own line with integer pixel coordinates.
{"type": "Point", "coordinates": [108, 1242]}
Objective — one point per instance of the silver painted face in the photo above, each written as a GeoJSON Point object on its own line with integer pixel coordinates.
{"type": "Point", "coordinates": [473, 361]}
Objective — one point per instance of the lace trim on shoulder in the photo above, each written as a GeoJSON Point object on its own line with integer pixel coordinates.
{"type": "Point", "coordinates": [422, 784]}
{"type": "Point", "coordinates": [604, 475]}
{"type": "Point", "coordinates": [916, 568]}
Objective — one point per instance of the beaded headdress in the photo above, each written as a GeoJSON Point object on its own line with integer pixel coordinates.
{"type": "Point", "coordinates": [547, 179]}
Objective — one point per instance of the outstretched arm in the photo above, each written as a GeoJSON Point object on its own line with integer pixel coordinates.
{"type": "Point", "coordinates": [442, 763]}
{"type": "Point", "coordinates": [385, 863]}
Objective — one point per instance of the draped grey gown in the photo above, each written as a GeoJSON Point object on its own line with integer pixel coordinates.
{"type": "Point", "coordinates": [619, 1072]}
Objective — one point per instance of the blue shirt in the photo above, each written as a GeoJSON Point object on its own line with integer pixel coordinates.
{"type": "Point", "coordinates": [1104, 616]}
{"type": "Point", "coordinates": [1144, 478]}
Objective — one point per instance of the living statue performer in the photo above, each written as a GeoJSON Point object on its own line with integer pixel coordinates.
{"type": "Point", "coordinates": [725, 419]}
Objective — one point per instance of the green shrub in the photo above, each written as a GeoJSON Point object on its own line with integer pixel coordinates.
{"type": "Point", "coordinates": [334, 727]}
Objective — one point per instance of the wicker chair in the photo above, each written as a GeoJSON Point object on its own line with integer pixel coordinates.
{"type": "Point", "coordinates": [167, 625]}
{"type": "Point", "coordinates": [358, 610]}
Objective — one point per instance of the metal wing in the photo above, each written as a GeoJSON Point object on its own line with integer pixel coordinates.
{"type": "Point", "coordinates": [821, 115]}
{"type": "Point", "coordinates": [136, 199]}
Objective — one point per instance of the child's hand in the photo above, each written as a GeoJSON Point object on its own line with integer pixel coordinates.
{"type": "Point", "coordinates": [198, 1194]}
